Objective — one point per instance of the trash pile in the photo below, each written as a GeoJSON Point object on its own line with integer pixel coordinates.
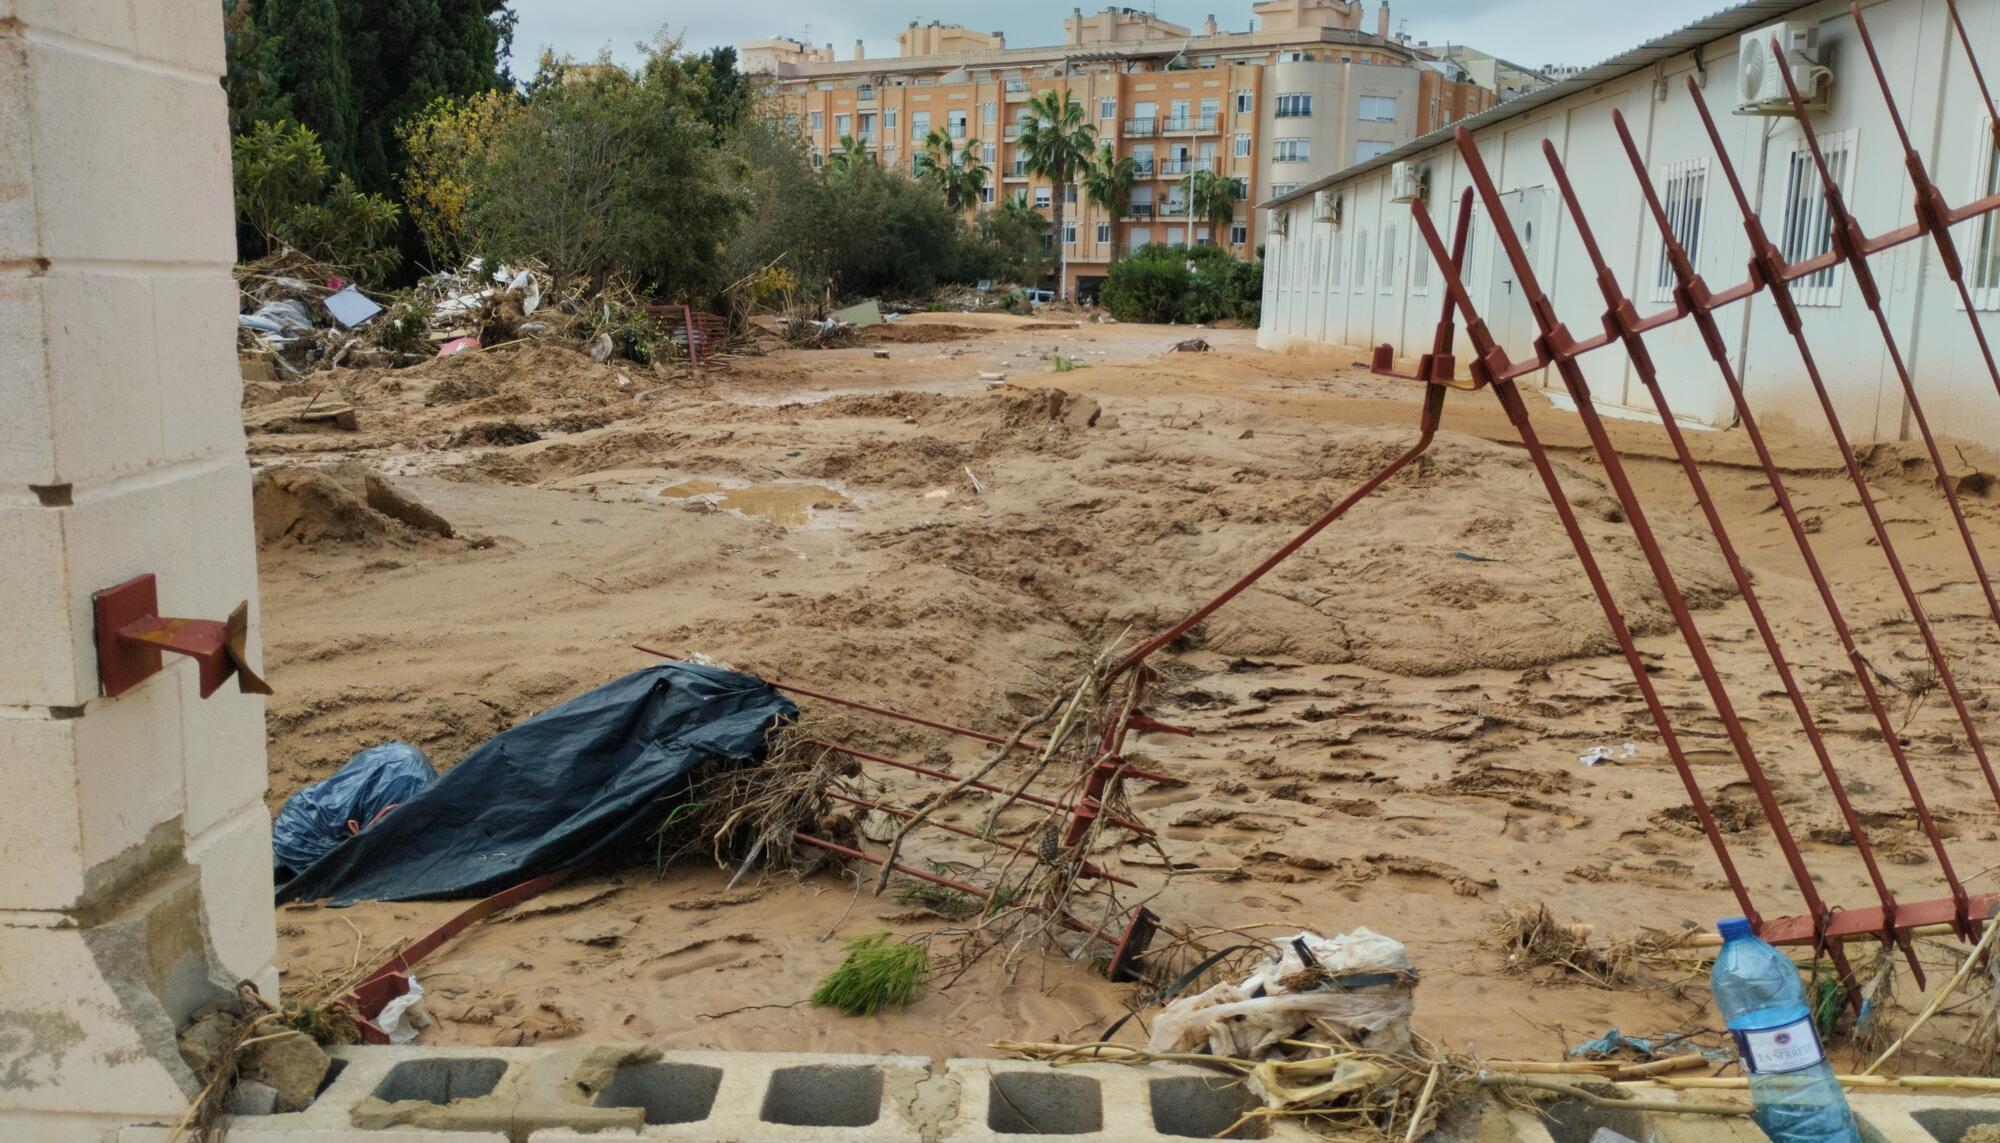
{"type": "Point", "coordinates": [300, 316]}
{"type": "Point", "coordinates": [1359, 986]}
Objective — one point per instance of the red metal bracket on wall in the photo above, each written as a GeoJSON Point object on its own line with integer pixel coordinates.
{"type": "Point", "coordinates": [131, 634]}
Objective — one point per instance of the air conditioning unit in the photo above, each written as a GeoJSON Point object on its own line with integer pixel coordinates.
{"type": "Point", "coordinates": [1326, 206]}
{"type": "Point", "coordinates": [1279, 221]}
{"type": "Point", "coordinates": [1759, 76]}
{"type": "Point", "coordinates": [1408, 182]}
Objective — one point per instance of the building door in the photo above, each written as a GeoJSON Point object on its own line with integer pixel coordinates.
{"type": "Point", "coordinates": [1529, 210]}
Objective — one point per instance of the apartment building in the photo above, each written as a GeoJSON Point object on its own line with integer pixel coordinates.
{"type": "Point", "coordinates": [1304, 89]}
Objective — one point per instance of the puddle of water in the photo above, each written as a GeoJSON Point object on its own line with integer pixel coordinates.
{"type": "Point", "coordinates": [786, 504]}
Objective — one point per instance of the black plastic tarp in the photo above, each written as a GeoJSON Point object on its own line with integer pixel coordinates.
{"type": "Point", "coordinates": [562, 788]}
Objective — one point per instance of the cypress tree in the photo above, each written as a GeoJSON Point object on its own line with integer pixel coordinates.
{"type": "Point", "coordinates": [313, 70]}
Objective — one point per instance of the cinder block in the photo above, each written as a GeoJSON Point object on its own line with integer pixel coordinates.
{"type": "Point", "coordinates": [105, 410]}
{"type": "Point", "coordinates": [235, 862]}
{"type": "Point", "coordinates": [1896, 1117]}
{"type": "Point", "coordinates": [107, 23]}
{"type": "Point", "coordinates": [222, 753]}
{"type": "Point", "coordinates": [251, 1131]}
{"type": "Point", "coordinates": [41, 842]}
{"type": "Point", "coordinates": [20, 238]}
{"type": "Point", "coordinates": [131, 163]}
{"type": "Point", "coordinates": [1030, 1102]}
{"type": "Point", "coordinates": [38, 655]}
{"type": "Point", "coordinates": [128, 766]}
{"type": "Point", "coordinates": [27, 440]}
{"type": "Point", "coordinates": [181, 33]}
{"type": "Point", "coordinates": [200, 383]}
{"type": "Point", "coordinates": [75, 1045]}
{"type": "Point", "coordinates": [59, 1128]}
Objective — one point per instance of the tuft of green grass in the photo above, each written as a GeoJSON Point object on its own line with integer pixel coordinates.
{"type": "Point", "coordinates": [877, 972]}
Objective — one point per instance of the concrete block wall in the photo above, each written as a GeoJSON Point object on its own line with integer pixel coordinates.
{"type": "Point", "coordinates": [135, 870]}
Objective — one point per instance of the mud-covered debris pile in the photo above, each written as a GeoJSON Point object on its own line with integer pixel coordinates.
{"type": "Point", "coordinates": [348, 504]}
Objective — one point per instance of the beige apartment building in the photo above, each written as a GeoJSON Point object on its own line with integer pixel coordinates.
{"type": "Point", "coordinates": [1303, 92]}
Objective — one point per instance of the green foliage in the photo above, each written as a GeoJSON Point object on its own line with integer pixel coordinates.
{"type": "Point", "coordinates": [606, 170]}
{"type": "Point", "coordinates": [279, 168]}
{"type": "Point", "coordinates": [1058, 142]}
{"type": "Point", "coordinates": [1107, 183]}
{"type": "Point", "coordinates": [310, 52]}
{"type": "Point", "coordinates": [350, 229]}
{"type": "Point", "coordinates": [1183, 284]}
{"type": "Point", "coordinates": [405, 54]}
{"type": "Point", "coordinates": [1212, 198]}
{"type": "Point", "coordinates": [406, 327]}
{"type": "Point", "coordinates": [877, 972]}
{"type": "Point", "coordinates": [252, 82]}
{"type": "Point", "coordinates": [444, 144]}
{"type": "Point", "coordinates": [955, 172]}
{"type": "Point", "coordinates": [888, 234]}
{"type": "Point", "coordinates": [1006, 245]}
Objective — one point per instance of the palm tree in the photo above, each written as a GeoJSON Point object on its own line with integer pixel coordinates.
{"type": "Point", "coordinates": [1212, 198]}
{"type": "Point", "coordinates": [955, 172]}
{"type": "Point", "coordinates": [1057, 143]}
{"type": "Point", "coordinates": [853, 152]}
{"type": "Point", "coordinates": [1107, 185]}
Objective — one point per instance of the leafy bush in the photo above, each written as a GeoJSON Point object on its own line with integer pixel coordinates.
{"type": "Point", "coordinates": [354, 231]}
{"type": "Point", "coordinates": [445, 141]}
{"type": "Point", "coordinates": [1200, 284]}
{"type": "Point", "coordinates": [279, 168]}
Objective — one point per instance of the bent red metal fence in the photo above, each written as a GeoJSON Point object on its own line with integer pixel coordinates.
{"type": "Point", "coordinates": [1824, 925]}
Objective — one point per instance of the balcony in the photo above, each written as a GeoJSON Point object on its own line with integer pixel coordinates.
{"type": "Point", "coordinates": [1018, 91]}
{"type": "Point", "coordinates": [1016, 173]}
{"type": "Point", "coordinates": [1178, 167]}
{"type": "Point", "coordinates": [1141, 128]}
{"type": "Point", "coordinates": [1173, 210]}
{"type": "Point", "coordinates": [1192, 125]}
{"type": "Point", "coordinates": [1142, 168]}
{"type": "Point", "coordinates": [1011, 132]}
{"type": "Point", "coordinates": [864, 95]}
{"type": "Point", "coordinates": [1139, 211]}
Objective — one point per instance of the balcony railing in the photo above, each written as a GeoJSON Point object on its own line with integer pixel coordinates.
{"type": "Point", "coordinates": [1142, 168]}
{"type": "Point", "coordinates": [1186, 166]}
{"type": "Point", "coordinates": [1173, 210]}
{"type": "Point", "coordinates": [1139, 211]}
{"type": "Point", "coordinates": [1199, 124]}
{"type": "Point", "coordinates": [1012, 132]}
{"type": "Point", "coordinates": [1142, 127]}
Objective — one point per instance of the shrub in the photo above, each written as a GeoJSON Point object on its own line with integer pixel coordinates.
{"type": "Point", "coordinates": [351, 230]}
{"type": "Point", "coordinates": [1200, 284]}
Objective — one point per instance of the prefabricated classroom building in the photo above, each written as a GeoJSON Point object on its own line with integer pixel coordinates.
{"type": "Point", "coordinates": [1368, 279]}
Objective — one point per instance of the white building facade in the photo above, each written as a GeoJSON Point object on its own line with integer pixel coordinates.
{"type": "Point", "coordinates": [1368, 278]}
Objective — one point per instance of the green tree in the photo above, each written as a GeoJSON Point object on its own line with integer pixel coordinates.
{"type": "Point", "coordinates": [789, 205]}
{"type": "Point", "coordinates": [956, 172]}
{"type": "Point", "coordinates": [853, 152]}
{"type": "Point", "coordinates": [888, 234]}
{"type": "Point", "coordinates": [1057, 143]}
{"type": "Point", "coordinates": [1107, 185]}
{"type": "Point", "coordinates": [310, 51]}
{"type": "Point", "coordinates": [444, 144]}
{"type": "Point", "coordinates": [349, 229]}
{"type": "Point", "coordinates": [1212, 198]}
{"type": "Point", "coordinates": [610, 171]}
{"type": "Point", "coordinates": [1007, 245]}
{"type": "Point", "coordinates": [252, 81]}
{"type": "Point", "coordinates": [403, 54]}
{"type": "Point", "coordinates": [1185, 284]}
{"type": "Point", "coordinates": [725, 92]}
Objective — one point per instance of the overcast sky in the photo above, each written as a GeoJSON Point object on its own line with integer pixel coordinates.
{"type": "Point", "coordinates": [1529, 32]}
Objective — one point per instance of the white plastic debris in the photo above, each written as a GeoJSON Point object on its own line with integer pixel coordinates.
{"type": "Point", "coordinates": [350, 307]}
{"type": "Point", "coordinates": [402, 1017]}
{"type": "Point", "coordinates": [601, 348]}
{"type": "Point", "coordinates": [1370, 1006]}
{"type": "Point", "coordinates": [1598, 754]}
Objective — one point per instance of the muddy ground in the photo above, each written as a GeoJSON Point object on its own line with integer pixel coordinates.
{"type": "Point", "coordinates": [1388, 729]}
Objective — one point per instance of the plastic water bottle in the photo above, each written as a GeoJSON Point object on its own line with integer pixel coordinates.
{"type": "Point", "coordinates": [1759, 992]}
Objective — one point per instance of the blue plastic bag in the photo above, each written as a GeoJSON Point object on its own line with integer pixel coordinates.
{"type": "Point", "coordinates": [316, 818]}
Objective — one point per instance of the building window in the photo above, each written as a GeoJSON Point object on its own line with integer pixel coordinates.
{"type": "Point", "coordinates": [1295, 105]}
{"type": "Point", "coordinates": [865, 92]}
{"type": "Point", "coordinates": [1242, 147]}
{"type": "Point", "coordinates": [1239, 233]}
{"type": "Point", "coordinates": [1202, 236]}
{"type": "Point", "coordinates": [1434, 112]}
{"type": "Point", "coordinates": [987, 152]}
{"type": "Point", "coordinates": [1387, 284]}
{"type": "Point", "coordinates": [1378, 108]}
{"type": "Point", "coordinates": [920, 125]}
{"type": "Point", "coordinates": [1021, 196]}
{"type": "Point", "coordinates": [1041, 196]}
{"type": "Point", "coordinates": [1016, 86]}
{"type": "Point", "coordinates": [1369, 148]}
{"type": "Point", "coordinates": [1242, 187]}
{"type": "Point", "coordinates": [1141, 236]}
{"type": "Point", "coordinates": [1280, 190]}
{"type": "Point", "coordinates": [1246, 102]}
{"type": "Point", "coordinates": [867, 128]}
{"type": "Point", "coordinates": [1069, 194]}
{"type": "Point", "coordinates": [1291, 151]}
{"type": "Point", "coordinates": [1176, 236]}
{"type": "Point", "coordinates": [986, 195]}
{"type": "Point", "coordinates": [989, 113]}
{"type": "Point", "coordinates": [1447, 117]}
{"type": "Point", "coordinates": [1107, 109]}
{"type": "Point", "coordinates": [816, 158]}
{"type": "Point", "coordinates": [818, 121]}
{"type": "Point", "coordinates": [840, 123]}
{"type": "Point", "coordinates": [1985, 281]}
{"type": "Point", "coordinates": [1103, 233]}
{"type": "Point", "coordinates": [1684, 193]}
{"type": "Point", "coordinates": [1808, 227]}
{"type": "Point", "coordinates": [1069, 233]}
{"type": "Point", "coordinates": [889, 119]}
{"type": "Point", "coordinates": [955, 120]}
{"type": "Point", "coordinates": [1211, 111]}
{"type": "Point", "coordinates": [1205, 62]}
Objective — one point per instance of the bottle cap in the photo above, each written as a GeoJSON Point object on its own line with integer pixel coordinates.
{"type": "Point", "coordinates": [1733, 927]}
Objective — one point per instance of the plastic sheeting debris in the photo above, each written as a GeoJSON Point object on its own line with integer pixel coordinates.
{"type": "Point", "coordinates": [567, 786]}
{"type": "Point", "coordinates": [350, 307]}
{"type": "Point", "coordinates": [324, 814]}
{"type": "Point", "coordinates": [281, 317]}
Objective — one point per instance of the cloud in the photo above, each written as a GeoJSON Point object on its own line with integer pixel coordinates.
{"type": "Point", "coordinates": [1530, 32]}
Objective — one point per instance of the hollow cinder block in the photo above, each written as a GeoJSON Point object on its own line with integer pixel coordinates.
{"type": "Point", "coordinates": [1203, 1106]}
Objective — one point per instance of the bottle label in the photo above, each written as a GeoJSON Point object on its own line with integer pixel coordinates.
{"type": "Point", "coordinates": [1775, 1051]}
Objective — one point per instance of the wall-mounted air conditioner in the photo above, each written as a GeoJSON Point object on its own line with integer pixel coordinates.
{"type": "Point", "coordinates": [1760, 68]}
{"type": "Point", "coordinates": [1408, 182]}
{"type": "Point", "coordinates": [1326, 206]}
